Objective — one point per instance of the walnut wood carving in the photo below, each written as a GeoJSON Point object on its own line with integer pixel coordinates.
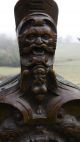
{"type": "Point", "coordinates": [38, 105]}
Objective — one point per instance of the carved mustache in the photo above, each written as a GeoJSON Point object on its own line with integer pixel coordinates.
{"type": "Point", "coordinates": [38, 55]}
{"type": "Point", "coordinates": [38, 48]}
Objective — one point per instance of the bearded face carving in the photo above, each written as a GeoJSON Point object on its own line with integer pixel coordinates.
{"type": "Point", "coordinates": [35, 106]}
{"type": "Point", "coordinates": [37, 42]}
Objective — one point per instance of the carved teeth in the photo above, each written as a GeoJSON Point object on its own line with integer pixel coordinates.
{"type": "Point", "coordinates": [45, 140]}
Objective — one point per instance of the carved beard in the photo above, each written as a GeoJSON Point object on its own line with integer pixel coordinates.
{"type": "Point", "coordinates": [43, 80]}
{"type": "Point", "coordinates": [39, 81]}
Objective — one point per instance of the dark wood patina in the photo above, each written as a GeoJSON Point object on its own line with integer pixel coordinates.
{"type": "Point", "coordinates": [38, 105]}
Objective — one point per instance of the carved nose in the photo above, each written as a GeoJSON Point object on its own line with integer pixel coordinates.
{"type": "Point", "coordinates": [39, 40]}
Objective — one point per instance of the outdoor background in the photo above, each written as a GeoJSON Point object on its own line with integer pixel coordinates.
{"type": "Point", "coordinates": [67, 58]}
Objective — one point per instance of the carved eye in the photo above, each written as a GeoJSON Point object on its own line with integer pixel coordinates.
{"type": "Point", "coordinates": [30, 37]}
{"type": "Point", "coordinates": [45, 36]}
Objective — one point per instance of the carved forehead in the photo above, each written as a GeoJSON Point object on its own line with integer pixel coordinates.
{"type": "Point", "coordinates": [36, 19]}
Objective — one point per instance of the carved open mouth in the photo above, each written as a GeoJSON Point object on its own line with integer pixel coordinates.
{"type": "Point", "coordinates": [38, 50]}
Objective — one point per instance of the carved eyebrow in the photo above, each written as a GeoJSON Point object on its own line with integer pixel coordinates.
{"type": "Point", "coordinates": [39, 31]}
{"type": "Point", "coordinates": [24, 25]}
{"type": "Point", "coordinates": [49, 23]}
{"type": "Point", "coordinates": [38, 22]}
